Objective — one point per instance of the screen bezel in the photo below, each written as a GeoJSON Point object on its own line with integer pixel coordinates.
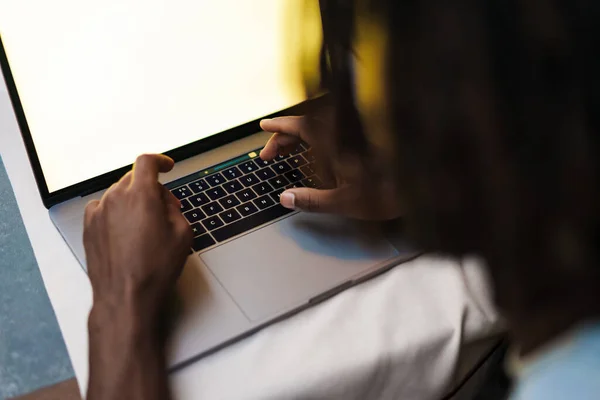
{"type": "Point", "coordinates": [105, 180]}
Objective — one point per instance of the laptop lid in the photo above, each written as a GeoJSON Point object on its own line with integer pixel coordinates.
{"type": "Point", "coordinates": [94, 84]}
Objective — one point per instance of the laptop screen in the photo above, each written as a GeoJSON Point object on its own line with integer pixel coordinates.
{"type": "Point", "coordinates": [102, 82]}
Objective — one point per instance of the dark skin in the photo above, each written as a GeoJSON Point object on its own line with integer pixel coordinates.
{"type": "Point", "coordinates": [131, 279]}
{"type": "Point", "coordinates": [132, 272]}
{"type": "Point", "coordinates": [494, 154]}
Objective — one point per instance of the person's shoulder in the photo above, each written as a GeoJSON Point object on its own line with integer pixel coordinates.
{"type": "Point", "coordinates": [569, 372]}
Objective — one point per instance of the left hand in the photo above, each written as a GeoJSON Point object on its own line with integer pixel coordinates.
{"type": "Point", "coordinates": [136, 242]}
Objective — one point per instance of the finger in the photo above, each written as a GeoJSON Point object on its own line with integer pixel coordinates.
{"type": "Point", "coordinates": [110, 189]}
{"type": "Point", "coordinates": [316, 200]}
{"type": "Point", "coordinates": [181, 227]}
{"type": "Point", "coordinates": [174, 215]}
{"type": "Point", "coordinates": [293, 125]}
{"type": "Point", "coordinates": [344, 200]}
{"type": "Point", "coordinates": [288, 131]}
{"type": "Point", "coordinates": [279, 144]}
{"type": "Point", "coordinates": [169, 198]}
{"type": "Point", "coordinates": [147, 167]}
{"type": "Point", "coordinates": [89, 211]}
{"type": "Point", "coordinates": [183, 236]}
{"type": "Point", "coordinates": [125, 181]}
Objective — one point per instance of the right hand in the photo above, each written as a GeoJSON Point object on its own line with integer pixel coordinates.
{"type": "Point", "coordinates": [346, 198]}
{"type": "Point", "coordinates": [136, 241]}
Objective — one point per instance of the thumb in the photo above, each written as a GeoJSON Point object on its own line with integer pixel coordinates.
{"type": "Point", "coordinates": [314, 200]}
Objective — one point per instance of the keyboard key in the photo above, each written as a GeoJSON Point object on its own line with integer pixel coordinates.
{"type": "Point", "coordinates": [297, 161]}
{"type": "Point", "coordinates": [312, 182]}
{"type": "Point", "coordinates": [199, 186]}
{"type": "Point", "coordinates": [279, 182]}
{"type": "Point", "coordinates": [248, 166]}
{"type": "Point", "coordinates": [281, 157]}
{"type": "Point", "coordinates": [198, 229]}
{"type": "Point", "coordinates": [262, 163]}
{"type": "Point", "coordinates": [229, 201]}
{"type": "Point", "coordinates": [185, 205]}
{"type": "Point", "coordinates": [233, 186]}
{"type": "Point", "coordinates": [262, 188]}
{"type": "Point", "coordinates": [198, 200]}
{"type": "Point", "coordinates": [212, 208]}
{"type": "Point", "coordinates": [212, 223]}
{"type": "Point", "coordinates": [182, 192]}
{"type": "Point", "coordinates": [245, 224]}
{"type": "Point", "coordinates": [294, 176]}
{"type": "Point", "coordinates": [276, 195]}
{"type": "Point", "coordinates": [232, 173]}
{"type": "Point", "coordinates": [265, 173]}
{"type": "Point", "coordinates": [246, 195]}
{"type": "Point", "coordinates": [215, 180]}
{"type": "Point", "coordinates": [194, 216]}
{"type": "Point", "coordinates": [249, 180]}
{"type": "Point", "coordinates": [264, 202]}
{"type": "Point", "coordinates": [309, 155]}
{"type": "Point", "coordinates": [216, 193]}
{"type": "Point", "coordinates": [247, 209]}
{"type": "Point", "coordinates": [281, 167]}
{"type": "Point", "coordinates": [299, 149]}
{"type": "Point", "coordinates": [308, 169]}
{"type": "Point", "coordinates": [230, 216]}
{"type": "Point", "coordinates": [295, 185]}
{"type": "Point", "coordinates": [202, 242]}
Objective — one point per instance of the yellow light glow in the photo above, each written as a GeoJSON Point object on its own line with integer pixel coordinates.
{"type": "Point", "coordinates": [252, 154]}
{"type": "Point", "coordinates": [369, 61]}
{"type": "Point", "coordinates": [102, 82]}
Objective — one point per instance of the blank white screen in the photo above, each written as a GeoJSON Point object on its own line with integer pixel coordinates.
{"type": "Point", "coordinates": [103, 81]}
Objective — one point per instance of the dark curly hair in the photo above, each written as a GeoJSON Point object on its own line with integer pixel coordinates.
{"type": "Point", "coordinates": [494, 107]}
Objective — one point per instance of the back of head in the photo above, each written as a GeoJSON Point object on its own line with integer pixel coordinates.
{"type": "Point", "coordinates": [491, 112]}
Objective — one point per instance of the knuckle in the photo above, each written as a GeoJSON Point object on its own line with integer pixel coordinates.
{"type": "Point", "coordinates": [143, 158]}
{"type": "Point", "coordinates": [147, 194]}
{"type": "Point", "coordinates": [151, 194]}
{"type": "Point", "coordinates": [89, 209]}
{"type": "Point", "coordinates": [302, 122]}
{"type": "Point", "coordinates": [184, 231]}
{"type": "Point", "coordinates": [90, 212]}
{"type": "Point", "coordinates": [111, 198]}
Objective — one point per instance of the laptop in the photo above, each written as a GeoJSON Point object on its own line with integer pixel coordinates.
{"type": "Point", "coordinates": [94, 85]}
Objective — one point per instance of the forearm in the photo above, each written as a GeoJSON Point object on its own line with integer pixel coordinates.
{"type": "Point", "coordinates": [126, 357]}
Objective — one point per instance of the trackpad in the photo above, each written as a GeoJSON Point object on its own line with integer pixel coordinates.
{"type": "Point", "coordinates": [288, 262]}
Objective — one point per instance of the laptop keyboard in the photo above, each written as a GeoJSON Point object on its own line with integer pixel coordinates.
{"type": "Point", "coordinates": [242, 195]}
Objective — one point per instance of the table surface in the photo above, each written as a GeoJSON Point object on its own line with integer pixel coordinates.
{"type": "Point", "coordinates": [32, 351]}
{"type": "Point", "coordinates": [399, 335]}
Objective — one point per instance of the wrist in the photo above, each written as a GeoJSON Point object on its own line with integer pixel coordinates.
{"type": "Point", "coordinates": [128, 300]}
{"type": "Point", "coordinates": [127, 320]}
{"type": "Point", "coordinates": [126, 354]}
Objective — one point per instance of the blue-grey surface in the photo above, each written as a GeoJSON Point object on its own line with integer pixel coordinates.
{"type": "Point", "coordinates": [32, 350]}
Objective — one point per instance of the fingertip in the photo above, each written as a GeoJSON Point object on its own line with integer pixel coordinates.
{"type": "Point", "coordinates": [265, 123]}
{"type": "Point", "coordinates": [166, 163]}
{"type": "Point", "coordinates": [269, 151]}
{"type": "Point", "coordinates": [288, 199]}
